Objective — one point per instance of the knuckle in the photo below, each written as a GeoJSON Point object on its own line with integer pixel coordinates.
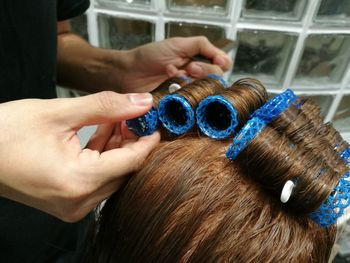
{"type": "Point", "coordinates": [203, 39]}
{"type": "Point", "coordinates": [177, 41]}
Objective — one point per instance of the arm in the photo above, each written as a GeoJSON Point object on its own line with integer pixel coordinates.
{"type": "Point", "coordinates": [82, 66]}
{"type": "Point", "coordinates": [141, 69]}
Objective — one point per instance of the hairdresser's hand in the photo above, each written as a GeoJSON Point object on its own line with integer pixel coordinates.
{"type": "Point", "coordinates": [151, 64]}
{"type": "Point", "coordinates": [42, 164]}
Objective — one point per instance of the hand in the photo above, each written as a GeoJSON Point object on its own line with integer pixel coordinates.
{"type": "Point", "coordinates": [41, 161]}
{"type": "Point", "coordinates": [151, 64]}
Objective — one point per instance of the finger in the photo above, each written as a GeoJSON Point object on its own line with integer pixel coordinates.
{"type": "Point", "coordinates": [200, 45]}
{"type": "Point", "coordinates": [99, 139]}
{"type": "Point", "coordinates": [103, 107]}
{"type": "Point", "coordinates": [173, 71]}
{"type": "Point", "coordinates": [118, 162]}
{"type": "Point", "coordinates": [120, 134]}
{"type": "Point", "coordinates": [200, 69]}
{"type": "Point", "coordinates": [224, 62]}
{"type": "Point", "coordinates": [115, 140]}
{"type": "Point", "coordinates": [126, 133]}
{"type": "Point", "coordinates": [181, 73]}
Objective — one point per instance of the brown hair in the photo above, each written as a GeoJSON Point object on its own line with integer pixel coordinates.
{"type": "Point", "coordinates": [163, 89]}
{"type": "Point", "coordinates": [296, 124]}
{"type": "Point", "coordinates": [246, 95]}
{"type": "Point", "coordinates": [189, 203]}
{"type": "Point", "coordinates": [272, 159]}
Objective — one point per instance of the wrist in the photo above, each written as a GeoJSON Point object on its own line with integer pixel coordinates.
{"type": "Point", "coordinates": [119, 64]}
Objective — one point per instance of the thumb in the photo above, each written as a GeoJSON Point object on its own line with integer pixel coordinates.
{"type": "Point", "coordinates": [106, 106]}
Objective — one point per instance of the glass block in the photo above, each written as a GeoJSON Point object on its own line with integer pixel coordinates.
{"type": "Point", "coordinates": [79, 26]}
{"type": "Point", "coordinates": [324, 59]}
{"type": "Point", "coordinates": [125, 3]}
{"type": "Point", "coordinates": [180, 29]}
{"type": "Point", "coordinates": [274, 9]}
{"type": "Point", "coordinates": [199, 7]}
{"type": "Point", "coordinates": [334, 12]}
{"type": "Point", "coordinates": [324, 101]}
{"type": "Point", "coordinates": [121, 33]}
{"type": "Point", "coordinates": [341, 118]}
{"type": "Point", "coordinates": [264, 55]}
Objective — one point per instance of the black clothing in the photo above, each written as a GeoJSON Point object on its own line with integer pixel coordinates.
{"type": "Point", "coordinates": [28, 34]}
{"type": "Point", "coordinates": [28, 44]}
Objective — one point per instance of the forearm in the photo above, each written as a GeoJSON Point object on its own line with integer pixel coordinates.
{"type": "Point", "coordinates": [81, 66]}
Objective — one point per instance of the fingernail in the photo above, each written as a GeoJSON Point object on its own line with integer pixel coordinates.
{"type": "Point", "coordinates": [196, 70]}
{"type": "Point", "coordinates": [185, 78]}
{"type": "Point", "coordinates": [140, 99]}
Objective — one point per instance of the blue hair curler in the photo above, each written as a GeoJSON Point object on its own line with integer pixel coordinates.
{"type": "Point", "coordinates": [333, 208]}
{"type": "Point", "coordinates": [345, 155]}
{"type": "Point", "coordinates": [249, 131]}
{"type": "Point", "coordinates": [145, 124]}
{"type": "Point", "coordinates": [216, 117]}
{"type": "Point", "coordinates": [176, 114]}
{"type": "Point", "coordinates": [275, 106]}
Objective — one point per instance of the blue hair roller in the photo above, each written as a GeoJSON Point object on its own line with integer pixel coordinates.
{"type": "Point", "coordinates": [275, 106]}
{"type": "Point", "coordinates": [145, 124]}
{"type": "Point", "coordinates": [176, 114]}
{"type": "Point", "coordinates": [219, 78]}
{"type": "Point", "coordinates": [216, 117]}
{"type": "Point", "coordinates": [249, 131]}
{"type": "Point", "coordinates": [335, 205]}
{"type": "Point", "coordinates": [345, 155]}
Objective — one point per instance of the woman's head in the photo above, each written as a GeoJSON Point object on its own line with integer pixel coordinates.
{"type": "Point", "coordinates": [189, 203]}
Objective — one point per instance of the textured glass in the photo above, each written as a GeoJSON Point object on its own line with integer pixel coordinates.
{"type": "Point", "coordinates": [324, 59]}
{"type": "Point", "coordinates": [341, 119]}
{"type": "Point", "coordinates": [324, 101]}
{"type": "Point", "coordinates": [333, 11]}
{"type": "Point", "coordinates": [213, 33]}
{"type": "Point", "coordinates": [274, 9]}
{"type": "Point", "coordinates": [125, 3]}
{"type": "Point", "coordinates": [120, 33]}
{"type": "Point", "coordinates": [79, 26]}
{"type": "Point", "coordinates": [199, 6]}
{"type": "Point", "coordinates": [264, 55]}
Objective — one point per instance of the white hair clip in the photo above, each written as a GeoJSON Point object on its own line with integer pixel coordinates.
{"type": "Point", "coordinates": [287, 191]}
{"type": "Point", "coordinates": [174, 87]}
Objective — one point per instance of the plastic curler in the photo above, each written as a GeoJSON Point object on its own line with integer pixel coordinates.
{"type": "Point", "coordinates": [176, 114]}
{"type": "Point", "coordinates": [216, 117]}
{"type": "Point", "coordinates": [149, 123]}
{"type": "Point", "coordinates": [333, 208]}
{"type": "Point", "coordinates": [145, 124]}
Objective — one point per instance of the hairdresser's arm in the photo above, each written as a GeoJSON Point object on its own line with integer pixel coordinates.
{"type": "Point", "coordinates": [42, 164]}
{"type": "Point", "coordinates": [84, 67]}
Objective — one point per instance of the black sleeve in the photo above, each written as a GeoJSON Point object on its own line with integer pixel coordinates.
{"type": "Point", "coordinates": [67, 9]}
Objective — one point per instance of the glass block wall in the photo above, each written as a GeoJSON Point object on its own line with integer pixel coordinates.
{"type": "Point", "coordinates": [302, 44]}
